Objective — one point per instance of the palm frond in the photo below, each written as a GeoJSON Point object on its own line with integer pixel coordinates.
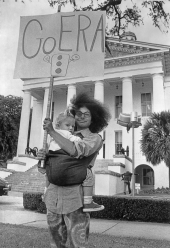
{"type": "Point", "coordinates": [155, 142]}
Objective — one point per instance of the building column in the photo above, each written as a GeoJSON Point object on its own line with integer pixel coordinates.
{"type": "Point", "coordinates": [127, 93]}
{"type": "Point", "coordinates": [71, 91]}
{"type": "Point", "coordinates": [127, 108]}
{"type": "Point", "coordinates": [99, 91]}
{"type": "Point", "coordinates": [36, 124]}
{"type": "Point", "coordinates": [24, 123]}
{"type": "Point", "coordinates": [158, 93]}
{"type": "Point", "coordinates": [99, 95]}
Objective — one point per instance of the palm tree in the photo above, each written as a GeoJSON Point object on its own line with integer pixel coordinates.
{"type": "Point", "coordinates": [155, 142]}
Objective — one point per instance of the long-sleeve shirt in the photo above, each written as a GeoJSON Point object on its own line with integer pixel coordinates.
{"type": "Point", "coordinates": [63, 200]}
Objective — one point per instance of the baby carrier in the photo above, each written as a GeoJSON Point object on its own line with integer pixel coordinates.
{"type": "Point", "coordinates": [64, 170]}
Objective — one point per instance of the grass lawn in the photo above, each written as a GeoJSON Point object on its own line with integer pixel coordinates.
{"type": "Point", "coordinates": [19, 236]}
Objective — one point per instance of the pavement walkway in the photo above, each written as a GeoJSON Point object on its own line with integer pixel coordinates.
{"type": "Point", "coordinates": [13, 212]}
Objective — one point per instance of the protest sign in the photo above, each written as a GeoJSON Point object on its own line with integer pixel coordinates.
{"type": "Point", "coordinates": [62, 44]}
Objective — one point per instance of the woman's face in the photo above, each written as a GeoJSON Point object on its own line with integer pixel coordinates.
{"type": "Point", "coordinates": [83, 118]}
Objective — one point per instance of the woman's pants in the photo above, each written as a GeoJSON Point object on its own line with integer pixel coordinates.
{"type": "Point", "coordinates": [68, 230]}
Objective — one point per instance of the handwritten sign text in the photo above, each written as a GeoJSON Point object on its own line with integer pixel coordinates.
{"type": "Point", "coordinates": [62, 44]}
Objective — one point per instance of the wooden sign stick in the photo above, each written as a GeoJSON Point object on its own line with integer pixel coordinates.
{"type": "Point", "coordinates": [50, 94]}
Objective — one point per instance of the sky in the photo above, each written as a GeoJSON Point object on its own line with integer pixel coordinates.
{"type": "Point", "coordinates": [10, 13]}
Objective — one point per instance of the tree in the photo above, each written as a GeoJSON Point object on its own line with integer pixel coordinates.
{"type": "Point", "coordinates": [121, 18]}
{"type": "Point", "coordinates": [155, 142]}
{"type": "Point", "coordinates": [121, 13]}
{"type": "Point", "coordinates": [10, 112]}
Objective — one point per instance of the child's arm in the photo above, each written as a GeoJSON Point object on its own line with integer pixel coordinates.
{"type": "Point", "coordinates": [64, 143]}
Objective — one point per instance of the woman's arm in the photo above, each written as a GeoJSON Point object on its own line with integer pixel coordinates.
{"type": "Point", "coordinates": [64, 143]}
{"type": "Point", "coordinates": [88, 145]}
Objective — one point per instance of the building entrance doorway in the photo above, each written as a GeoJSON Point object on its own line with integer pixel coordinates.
{"type": "Point", "coordinates": [145, 177]}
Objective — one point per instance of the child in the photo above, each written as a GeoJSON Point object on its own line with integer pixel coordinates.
{"type": "Point", "coordinates": [65, 125]}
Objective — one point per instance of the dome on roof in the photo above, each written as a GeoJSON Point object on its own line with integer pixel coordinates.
{"type": "Point", "coordinates": [128, 36]}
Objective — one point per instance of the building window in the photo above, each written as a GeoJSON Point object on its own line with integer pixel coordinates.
{"type": "Point", "coordinates": [118, 106]}
{"type": "Point", "coordinates": [146, 106]}
{"type": "Point", "coordinates": [118, 142]}
{"type": "Point", "coordinates": [148, 177]}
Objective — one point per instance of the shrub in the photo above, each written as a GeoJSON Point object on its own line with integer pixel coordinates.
{"type": "Point", "coordinates": [147, 210]}
{"type": "Point", "coordinates": [116, 208]}
{"type": "Point", "coordinates": [33, 201]}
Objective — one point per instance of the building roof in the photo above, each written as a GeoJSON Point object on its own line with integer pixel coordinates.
{"type": "Point", "coordinates": [127, 52]}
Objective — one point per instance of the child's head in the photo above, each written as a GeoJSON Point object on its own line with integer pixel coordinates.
{"type": "Point", "coordinates": [65, 121]}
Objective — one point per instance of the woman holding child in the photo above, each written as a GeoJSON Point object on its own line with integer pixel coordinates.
{"type": "Point", "coordinates": [67, 210]}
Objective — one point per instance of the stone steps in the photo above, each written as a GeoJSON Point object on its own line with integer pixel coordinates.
{"type": "Point", "coordinates": [29, 181]}
{"type": "Point", "coordinates": [27, 189]}
{"type": "Point", "coordinates": [33, 181]}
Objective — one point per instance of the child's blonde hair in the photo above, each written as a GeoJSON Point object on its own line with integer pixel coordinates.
{"type": "Point", "coordinates": [61, 117]}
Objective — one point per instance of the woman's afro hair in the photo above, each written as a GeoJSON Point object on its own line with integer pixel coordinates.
{"type": "Point", "coordinates": [99, 112]}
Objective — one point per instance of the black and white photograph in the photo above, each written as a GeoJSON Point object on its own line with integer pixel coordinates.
{"type": "Point", "coordinates": [84, 124]}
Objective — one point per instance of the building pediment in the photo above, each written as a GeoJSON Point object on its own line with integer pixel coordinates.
{"type": "Point", "coordinates": [119, 48]}
{"type": "Point", "coordinates": [126, 52]}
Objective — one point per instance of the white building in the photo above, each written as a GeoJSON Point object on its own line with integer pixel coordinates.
{"type": "Point", "coordinates": [136, 78]}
